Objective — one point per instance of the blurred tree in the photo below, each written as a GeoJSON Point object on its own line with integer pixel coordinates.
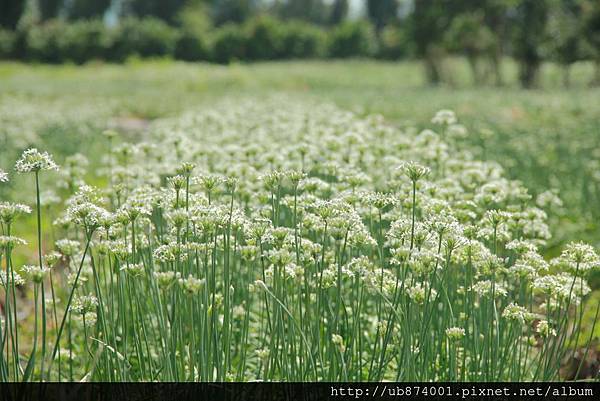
{"type": "Point", "coordinates": [195, 17]}
{"type": "Point", "coordinates": [565, 44]}
{"type": "Point", "coordinates": [49, 8]}
{"type": "Point", "coordinates": [530, 22]}
{"type": "Point", "coordinates": [10, 13]}
{"type": "Point", "coordinates": [429, 20]}
{"type": "Point", "coordinates": [352, 39]}
{"type": "Point", "coordinates": [382, 12]}
{"type": "Point", "coordinates": [495, 18]}
{"type": "Point", "coordinates": [469, 35]}
{"type": "Point", "coordinates": [314, 11]}
{"type": "Point", "coordinates": [394, 42]}
{"type": "Point", "coordinates": [236, 11]}
{"type": "Point", "coordinates": [194, 21]}
{"type": "Point", "coordinates": [162, 9]}
{"type": "Point", "coordinates": [591, 32]}
{"type": "Point", "coordinates": [339, 12]}
{"type": "Point", "coordinates": [85, 9]}
{"type": "Point", "coordinates": [478, 29]}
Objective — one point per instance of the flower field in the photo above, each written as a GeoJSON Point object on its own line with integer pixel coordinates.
{"type": "Point", "coordinates": [285, 237]}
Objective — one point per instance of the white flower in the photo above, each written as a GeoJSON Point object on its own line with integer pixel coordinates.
{"type": "Point", "coordinates": [262, 354]}
{"type": "Point", "coordinates": [32, 160]}
{"type": "Point", "coordinates": [529, 264]}
{"type": "Point", "coordinates": [338, 341]}
{"type": "Point", "coordinates": [50, 259]}
{"type": "Point", "coordinates": [133, 269]}
{"type": "Point", "coordinates": [67, 247]}
{"type": "Point", "coordinates": [166, 279]}
{"type": "Point", "coordinates": [418, 293]}
{"type": "Point", "coordinates": [414, 170]}
{"type": "Point", "coordinates": [86, 214]}
{"type": "Point", "coordinates": [14, 277]}
{"type": "Point", "coordinates": [164, 253]}
{"type": "Point", "coordinates": [444, 117]}
{"type": "Point", "coordinates": [486, 288]}
{"type": "Point", "coordinates": [3, 176]}
{"type": "Point", "coordinates": [579, 257]}
{"type": "Point", "coordinates": [10, 241]}
{"type": "Point", "coordinates": [191, 284]}
{"type": "Point", "coordinates": [455, 333]}
{"type": "Point", "coordinates": [178, 217]}
{"type": "Point", "coordinates": [544, 329]}
{"type": "Point", "coordinates": [36, 273]}
{"type": "Point", "coordinates": [10, 211]}
{"type": "Point", "coordinates": [457, 131]}
{"type": "Point", "coordinates": [517, 312]}
{"type": "Point", "coordinates": [85, 304]}
{"type": "Point", "coordinates": [549, 199]}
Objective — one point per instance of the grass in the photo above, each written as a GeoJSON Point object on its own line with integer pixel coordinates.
{"type": "Point", "coordinates": [545, 138]}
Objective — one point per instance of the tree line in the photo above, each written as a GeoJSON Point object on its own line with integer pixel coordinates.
{"type": "Point", "coordinates": [483, 31]}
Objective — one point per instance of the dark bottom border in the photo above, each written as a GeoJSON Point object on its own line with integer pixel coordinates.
{"type": "Point", "coordinates": [297, 391]}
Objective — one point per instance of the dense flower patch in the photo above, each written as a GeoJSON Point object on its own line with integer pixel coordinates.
{"type": "Point", "coordinates": [284, 240]}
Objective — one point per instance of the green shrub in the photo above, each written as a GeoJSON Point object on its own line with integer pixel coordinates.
{"type": "Point", "coordinates": [7, 44]}
{"type": "Point", "coordinates": [394, 43]}
{"type": "Point", "coordinates": [264, 38]}
{"type": "Point", "coordinates": [146, 37]}
{"type": "Point", "coordinates": [229, 44]}
{"type": "Point", "coordinates": [43, 42]}
{"type": "Point", "coordinates": [302, 40]}
{"type": "Point", "coordinates": [191, 46]}
{"type": "Point", "coordinates": [352, 39]}
{"type": "Point", "coordinates": [85, 40]}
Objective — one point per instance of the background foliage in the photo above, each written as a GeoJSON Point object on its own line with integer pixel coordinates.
{"type": "Point", "coordinates": [530, 31]}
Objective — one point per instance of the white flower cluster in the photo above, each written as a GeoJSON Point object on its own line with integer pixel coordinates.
{"type": "Point", "coordinates": [36, 274]}
{"type": "Point", "coordinates": [340, 222]}
{"type": "Point", "coordinates": [455, 333]}
{"type": "Point", "coordinates": [338, 173]}
{"type": "Point", "coordinates": [517, 313]}
{"type": "Point", "coordinates": [10, 211]}
{"type": "Point", "coordinates": [33, 160]}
